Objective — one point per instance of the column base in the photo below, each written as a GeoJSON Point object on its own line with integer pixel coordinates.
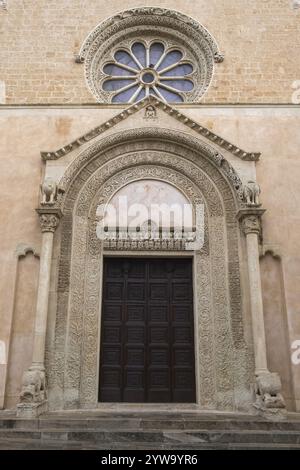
{"type": "Point", "coordinates": [31, 410]}
{"type": "Point", "coordinates": [272, 414]}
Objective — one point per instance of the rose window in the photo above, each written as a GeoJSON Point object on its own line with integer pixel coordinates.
{"type": "Point", "coordinates": [142, 70]}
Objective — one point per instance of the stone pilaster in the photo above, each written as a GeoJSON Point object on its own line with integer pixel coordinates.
{"type": "Point", "coordinates": [33, 398]}
{"type": "Point", "coordinates": [268, 385]}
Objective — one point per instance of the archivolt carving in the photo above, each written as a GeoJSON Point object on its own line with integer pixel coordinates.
{"type": "Point", "coordinates": [134, 167]}
{"type": "Point", "coordinates": [137, 140]}
{"type": "Point", "coordinates": [155, 23]}
{"type": "Point", "coordinates": [134, 170]}
{"type": "Point", "coordinates": [224, 364]}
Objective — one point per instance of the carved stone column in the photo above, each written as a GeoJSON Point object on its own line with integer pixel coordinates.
{"type": "Point", "coordinates": [33, 398]}
{"type": "Point", "coordinates": [251, 228]}
{"type": "Point", "coordinates": [268, 385]}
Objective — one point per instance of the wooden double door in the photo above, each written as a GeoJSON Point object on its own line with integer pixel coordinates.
{"type": "Point", "coordinates": [147, 331]}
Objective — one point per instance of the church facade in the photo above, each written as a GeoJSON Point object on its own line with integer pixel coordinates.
{"type": "Point", "coordinates": [154, 256]}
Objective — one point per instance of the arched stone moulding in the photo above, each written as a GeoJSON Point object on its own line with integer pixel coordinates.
{"type": "Point", "coordinates": [156, 138]}
{"type": "Point", "coordinates": [224, 364]}
{"type": "Point", "coordinates": [154, 23]}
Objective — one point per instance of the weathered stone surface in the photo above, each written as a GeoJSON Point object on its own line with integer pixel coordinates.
{"type": "Point", "coordinates": [148, 431]}
{"type": "Point", "coordinates": [254, 72]}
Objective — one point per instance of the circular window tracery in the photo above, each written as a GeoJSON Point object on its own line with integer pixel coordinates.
{"type": "Point", "coordinates": [148, 69]}
{"type": "Point", "coordinates": [115, 50]}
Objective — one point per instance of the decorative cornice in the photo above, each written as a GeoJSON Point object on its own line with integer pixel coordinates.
{"type": "Point", "coordinates": [49, 219]}
{"type": "Point", "coordinates": [168, 109]}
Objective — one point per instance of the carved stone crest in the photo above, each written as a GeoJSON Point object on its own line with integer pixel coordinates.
{"type": "Point", "coordinates": [150, 112]}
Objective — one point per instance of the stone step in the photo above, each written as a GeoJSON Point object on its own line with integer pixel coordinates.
{"type": "Point", "coordinates": [52, 444]}
{"type": "Point", "coordinates": [181, 431]}
{"type": "Point", "coordinates": [145, 423]}
{"type": "Point", "coordinates": [158, 437]}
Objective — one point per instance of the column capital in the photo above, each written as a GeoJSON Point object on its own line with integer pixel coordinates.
{"type": "Point", "coordinates": [49, 218]}
{"type": "Point", "coordinates": [250, 220]}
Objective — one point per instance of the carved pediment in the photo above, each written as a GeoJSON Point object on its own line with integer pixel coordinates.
{"type": "Point", "coordinates": [151, 104]}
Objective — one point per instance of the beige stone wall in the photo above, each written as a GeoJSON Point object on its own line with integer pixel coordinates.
{"type": "Point", "coordinates": [260, 39]}
{"type": "Point", "coordinates": [273, 131]}
{"type": "Point", "coordinates": [22, 327]}
{"type": "Point", "coordinates": [261, 43]}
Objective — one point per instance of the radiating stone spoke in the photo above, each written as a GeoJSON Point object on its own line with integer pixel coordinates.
{"type": "Point", "coordinates": [146, 78]}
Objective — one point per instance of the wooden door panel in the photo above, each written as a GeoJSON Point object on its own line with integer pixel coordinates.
{"type": "Point", "coordinates": [147, 332]}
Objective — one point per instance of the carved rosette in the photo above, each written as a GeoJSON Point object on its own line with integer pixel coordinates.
{"type": "Point", "coordinates": [49, 219]}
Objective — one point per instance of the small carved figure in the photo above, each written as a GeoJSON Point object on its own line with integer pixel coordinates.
{"type": "Point", "coordinates": [150, 112]}
{"type": "Point", "coordinates": [251, 193]}
{"type": "Point", "coordinates": [49, 191]}
{"type": "Point", "coordinates": [33, 387]}
{"type": "Point", "coordinates": [268, 391]}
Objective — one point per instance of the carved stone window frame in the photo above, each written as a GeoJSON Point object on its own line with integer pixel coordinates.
{"type": "Point", "coordinates": [156, 23]}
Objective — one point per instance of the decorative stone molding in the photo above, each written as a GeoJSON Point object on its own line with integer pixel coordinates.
{"type": "Point", "coordinates": [168, 109]}
{"type": "Point", "coordinates": [49, 219]}
{"type": "Point", "coordinates": [148, 12]}
{"type": "Point", "coordinates": [154, 23]}
{"type": "Point", "coordinates": [148, 138]}
{"type": "Point", "coordinates": [114, 244]}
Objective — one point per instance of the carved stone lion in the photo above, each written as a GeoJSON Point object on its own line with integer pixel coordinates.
{"type": "Point", "coordinates": [49, 191]}
{"type": "Point", "coordinates": [251, 193]}
{"type": "Point", "coordinates": [33, 387]}
{"type": "Point", "coordinates": [268, 390]}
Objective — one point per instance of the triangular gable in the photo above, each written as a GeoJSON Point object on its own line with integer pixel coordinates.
{"type": "Point", "coordinates": [168, 109]}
